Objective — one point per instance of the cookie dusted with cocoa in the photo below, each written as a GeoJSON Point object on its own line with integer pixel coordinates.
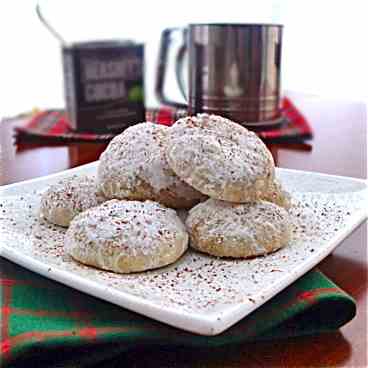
{"type": "Point", "coordinates": [127, 236]}
{"type": "Point", "coordinates": [278, 194]}
{"type": "Point", "coordinates": [220, 158]}
{"type": "Point", "coordinates": [134, 167]}
{"type": "Point", "coordinates": [62, 201]}
{"type": "Point", "coordinates": [243, 230]}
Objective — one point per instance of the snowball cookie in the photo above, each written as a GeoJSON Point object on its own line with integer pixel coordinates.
{"type": "Point", "coordinates": [134, 167]}
{"type": "Point", "coordinates": [238, 230]}
{"type": "Point", "coordinates": [278, 195]}
{"type": "Point", "coordinates": [68, 197]}
{"type": "Point", "coordinates": [127, 236]}
{"type": "Point", "coordinates": [220, 158]}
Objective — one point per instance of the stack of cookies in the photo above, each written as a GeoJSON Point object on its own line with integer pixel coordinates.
{"type": "Point", "coordinates": [217, 169]}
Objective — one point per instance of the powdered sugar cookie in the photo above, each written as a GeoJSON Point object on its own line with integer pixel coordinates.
{"type": "Point", "coordinates": [127, 236]}
{"type": "Point", "coordinates": [68, 197]}
{"type": "Point", "coordinates": [238, 230]}
{"type": "Point", "coordinates": [278, 195]}
{"type": "Point", "coordinates": [220, 158]}
{"type": "Point", "coordinates": [134, 167]}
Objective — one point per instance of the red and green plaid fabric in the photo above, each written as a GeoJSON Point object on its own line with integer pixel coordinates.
{"type": "Point", "coordinates": [52, 126]}
{"type": "Point", "coordinates": [46, 324]}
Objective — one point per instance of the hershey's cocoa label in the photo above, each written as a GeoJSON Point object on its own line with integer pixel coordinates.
{"type": "Point", "coordinates": [104, 86]}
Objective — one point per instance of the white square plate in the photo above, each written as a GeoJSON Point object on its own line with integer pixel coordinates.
{"type": "Point", "coordinates": [202, 294]}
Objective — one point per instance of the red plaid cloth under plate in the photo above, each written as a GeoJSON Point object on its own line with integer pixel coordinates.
{"type": "Point", "coordinates": [51, 126]}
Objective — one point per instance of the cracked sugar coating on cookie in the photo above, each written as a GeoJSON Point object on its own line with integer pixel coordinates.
{"type": "Point", "coordinates": [127, 236]}
{"type": "Point", "coordinates": [220, 158]}
{"type": "Point", "coordinates": [238, 230]}
{"type": "Point", "coordinates": [68, 197]}
{"type": "Point", "coordinates": [134, 167]}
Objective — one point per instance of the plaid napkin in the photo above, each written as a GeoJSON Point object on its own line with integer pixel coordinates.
{"type": "Point", "coordinates": [51, 126]}
{"type": "Point", "coordinates": [46, 324]}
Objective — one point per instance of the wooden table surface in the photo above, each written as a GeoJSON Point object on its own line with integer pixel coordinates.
{"type": "Point", "coordinates": [340, 148]}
